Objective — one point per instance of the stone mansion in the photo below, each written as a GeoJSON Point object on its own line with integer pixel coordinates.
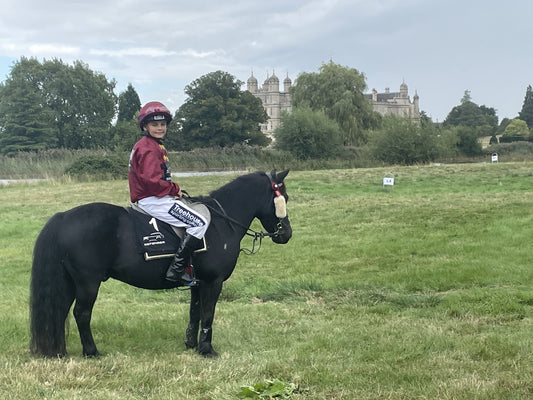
{"type": "Point", "coordinates": [397, 103]}
{"type": "Point", "coordinates": [276, 101]}
{"type": "Point", "coordinates": [273, 100]}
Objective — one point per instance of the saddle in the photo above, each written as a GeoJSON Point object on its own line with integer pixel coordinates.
{"type": "Point", "coordinates": [156, 239]}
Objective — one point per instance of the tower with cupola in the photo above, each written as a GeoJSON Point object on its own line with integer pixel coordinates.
{"type": "Point", "coordinates": [274, 101]}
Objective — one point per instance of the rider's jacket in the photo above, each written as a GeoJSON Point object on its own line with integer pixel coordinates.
{"type": "Point", "coordinates": [149, 170]}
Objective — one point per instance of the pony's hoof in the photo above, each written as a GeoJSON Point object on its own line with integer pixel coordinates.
{"type": "Point", "coordinates": [191, 345]}
{"type": "Point", "coordinates": [211, 353]}
{"type": "Point", "coordinates": [94, 354]}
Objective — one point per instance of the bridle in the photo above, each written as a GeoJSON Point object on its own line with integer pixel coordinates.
{"type": "Point", "coordinates": [257, 236]}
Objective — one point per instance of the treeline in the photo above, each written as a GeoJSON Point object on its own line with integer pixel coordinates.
{"type": "Point", "coordinates": [53, 105]}
{"type": "Point", "coordinates": [330, 114]}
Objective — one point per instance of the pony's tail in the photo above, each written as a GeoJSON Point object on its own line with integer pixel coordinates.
{"type": "Point", "coordinates": [51, 294]}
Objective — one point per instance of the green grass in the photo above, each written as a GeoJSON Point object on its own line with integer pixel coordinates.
{"type": "Point", "coordinates": [419, 291]}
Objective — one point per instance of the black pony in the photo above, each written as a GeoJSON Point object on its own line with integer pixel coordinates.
{"type": "Point", "coordinates": [80, 248]}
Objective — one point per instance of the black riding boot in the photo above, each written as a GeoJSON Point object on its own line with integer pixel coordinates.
{"type": "Point", "coordinates": [177, 270]}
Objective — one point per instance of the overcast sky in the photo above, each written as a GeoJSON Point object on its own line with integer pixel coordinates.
{"type": "Point", "coordinates": [439, 48]}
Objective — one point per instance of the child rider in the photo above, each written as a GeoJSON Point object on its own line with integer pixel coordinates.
{"type": "Point", "coordinates": [154, 192]}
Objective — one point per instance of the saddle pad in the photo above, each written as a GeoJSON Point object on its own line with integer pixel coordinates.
{"type": "Point", "coordinates": [155, 238]}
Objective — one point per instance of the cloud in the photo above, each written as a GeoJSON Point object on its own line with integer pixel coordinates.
{"type": "Point", "coordinates": [44, 49]}
{"type": "Point", "coordinates": [439, 48]}
{"type": "Point", "coordinates": [132, 52]}
{"type": "Point", "coordinates": [38, 49]}
{"type": "Point", "coordinates": [198, 54]}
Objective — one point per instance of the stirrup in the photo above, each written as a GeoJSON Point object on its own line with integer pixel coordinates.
{"type": "Point", "coordinates": [171, 276]}
{"type": "Point", "coordinates": [194, 283]}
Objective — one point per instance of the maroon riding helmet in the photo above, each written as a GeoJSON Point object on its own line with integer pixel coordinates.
{"type": "Point", "coordinates": [153, 111]}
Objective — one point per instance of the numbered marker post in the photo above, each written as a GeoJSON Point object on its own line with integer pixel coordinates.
{"type": "Point", "coordinates": [388, 180]}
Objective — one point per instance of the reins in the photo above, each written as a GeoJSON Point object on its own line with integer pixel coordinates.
{"type": "Point", "coordinates": [248, 231]}
{"type": "Point", "coordinates": [257, 236]}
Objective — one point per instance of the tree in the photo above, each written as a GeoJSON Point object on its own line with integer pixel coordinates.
{"type": "Point", "coordinates": [338, 92]}
{"type": "Point", "coordinates": [25, 124]}
{"type": "Point", "coordinates": [218, 113]}
{"type": "Point", "coordinates": [402, 141]}
{"type": "Point", "coordinates": [503, 124]}
{"type": "Point", "coordinates": [425, 119]}
{"type": "Point", "coordinates": [515, 131]}
{"type": "Point", "coordinates": [129, 104]}
{"type": "Point", "coordinates": [126, 131]}
{"type": "Point", "coordinates": [77, 103]}
{"type": "Point", "coordinates": [447, 142]}
{"type": "Point", "coordinates": [467, 97]}
{"type": "Point", "coordinates": [468, 143]}
{"type": "Point", "coordinates": [308, 134]}
{"type": "Point", "coordinates": [526, 114]}
{"type": "Point", "coordinates": [125, 134]}
{"type": "Point", "coordinates": [83, 102]}
{"type": "Point", "coordinates": [470, 114]}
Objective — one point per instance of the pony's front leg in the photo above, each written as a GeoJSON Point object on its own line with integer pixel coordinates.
{"type": "Point", "coordinates": [209, 294]}
{"type": "Point", "coordinates": [191, 335]}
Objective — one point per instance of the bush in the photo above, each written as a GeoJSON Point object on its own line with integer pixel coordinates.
{"type": "Point", "coordinates": [511, 139]}
{"type": "Point", "coordinates": [102, 166]}
{"type": "Point", "coordinates": [514, 148]}
{"type": "Point", "coordinates": [468, 144]}
{"type": "Point", "coordinates": [516, 130]}
{"type": "Point", "coordinates": [308, 134]}
{"type": "Point", "coordinates": [400, 141]}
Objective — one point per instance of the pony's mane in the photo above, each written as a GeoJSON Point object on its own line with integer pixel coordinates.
{"type": "Point", "coordinates": [230, 186]}
{"type": "Point", "coordinates": [239, 181]}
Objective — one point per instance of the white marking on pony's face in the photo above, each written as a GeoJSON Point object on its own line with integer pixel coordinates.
{"type": "Point", "coordinates": [281, 206]}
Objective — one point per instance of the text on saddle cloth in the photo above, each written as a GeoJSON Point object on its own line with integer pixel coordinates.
{"type": "Point", "coordinates": [156, 239]}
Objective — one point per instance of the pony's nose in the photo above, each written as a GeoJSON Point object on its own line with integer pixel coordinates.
{"type": "Point", "coordinates": [284, 233]}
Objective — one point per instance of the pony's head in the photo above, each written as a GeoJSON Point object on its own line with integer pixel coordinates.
{"type": "Point", "coordinates": [275, 220]}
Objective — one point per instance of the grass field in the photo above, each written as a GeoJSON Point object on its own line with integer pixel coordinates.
{"type": "Point", "coordinates": [423, 290]}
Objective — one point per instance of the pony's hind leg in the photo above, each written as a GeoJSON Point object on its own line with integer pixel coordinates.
{"type": "Point", "coordinates": [85, 298]}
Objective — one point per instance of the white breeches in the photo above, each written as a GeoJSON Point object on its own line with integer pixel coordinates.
{"type": "Point", "coordinates": [177, 213]}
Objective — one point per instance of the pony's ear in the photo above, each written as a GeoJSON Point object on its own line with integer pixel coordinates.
{"type": "Point", "coordinates": [281, 176]}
